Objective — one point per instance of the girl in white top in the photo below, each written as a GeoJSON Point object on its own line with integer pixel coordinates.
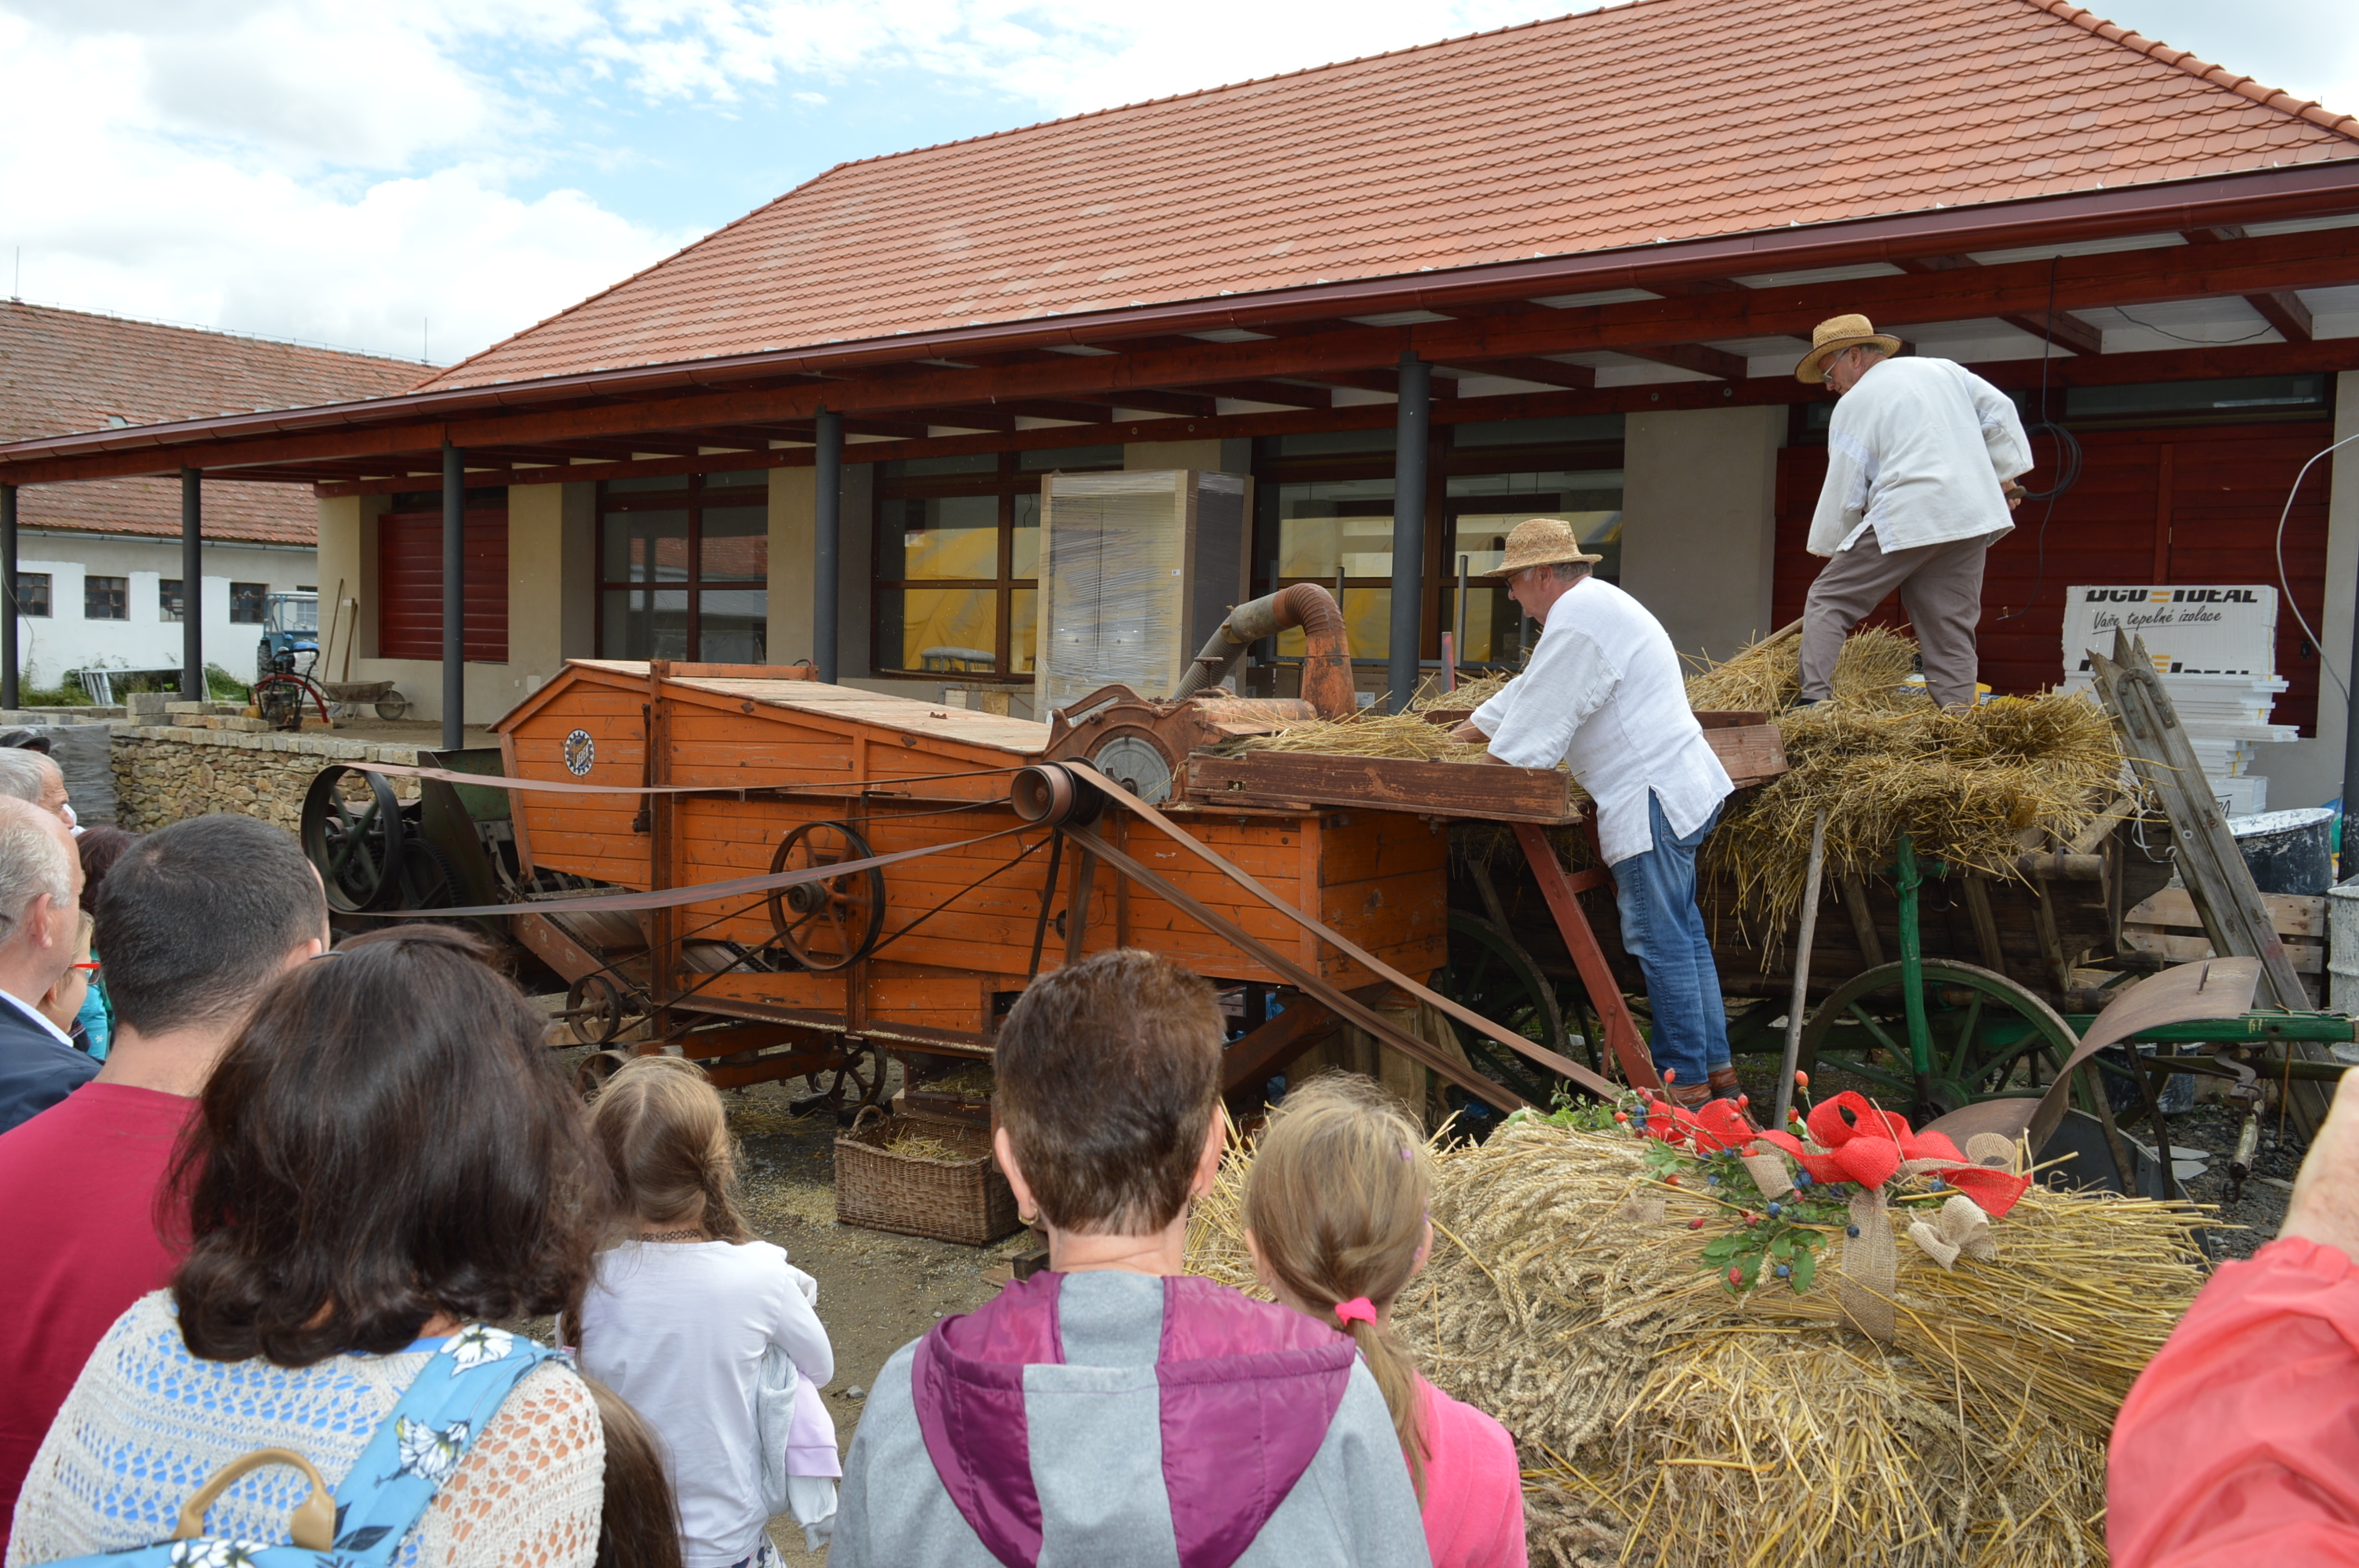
{"type": "Point", "coordinates": [676, 1319]}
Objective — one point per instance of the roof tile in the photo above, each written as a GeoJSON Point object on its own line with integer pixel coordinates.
{"type": "Point", "coordinates": [1670, 119]}
{"type": "Point", "coordinates": [63, 372]}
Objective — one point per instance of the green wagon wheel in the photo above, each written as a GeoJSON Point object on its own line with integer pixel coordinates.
{"type": "Point", "coordinates": [1983, 1028]}
{"type": "Point", "coordinates": [356, 846]}
{"type": "Point", "coordinates": [1488, 975]}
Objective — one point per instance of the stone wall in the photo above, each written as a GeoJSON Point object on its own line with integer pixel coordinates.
{"type": "Point", "coordinates": [165, 773]}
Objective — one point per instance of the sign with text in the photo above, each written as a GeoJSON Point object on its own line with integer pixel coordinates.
{"type": "Point", "coordinates": [2195, 631]}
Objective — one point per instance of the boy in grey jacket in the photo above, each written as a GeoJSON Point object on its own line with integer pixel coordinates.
{"type": "Point", "coordinates": [1116, 1409]}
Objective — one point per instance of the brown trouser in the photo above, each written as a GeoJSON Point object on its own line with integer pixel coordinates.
{"type": "Point", "coordinates": [1940, 588]}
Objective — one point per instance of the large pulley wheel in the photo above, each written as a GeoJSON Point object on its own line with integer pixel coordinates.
{"type": "Point", "coordinates": [831, 921]}
{"type": "Point", "coordinates": [857, 1080]}
{"type": "Point", "coordinates": [1137, 765]}
{"type": "Point", "coordinates": [593, 1010]}
{"type": "Point", "coordinates": [1980, 1030]}
{"type": "Point", "coordinates": [356, 844]}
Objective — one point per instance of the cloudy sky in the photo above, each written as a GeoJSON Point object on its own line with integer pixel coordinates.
{"type": "Point", "coordinates": [425, 177]}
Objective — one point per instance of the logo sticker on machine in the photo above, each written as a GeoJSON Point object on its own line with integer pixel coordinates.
{"type": "Point", "coordinates": [581, 753]}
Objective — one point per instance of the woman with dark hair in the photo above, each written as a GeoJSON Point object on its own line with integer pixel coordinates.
{"type": "Point", "coordinates": [100, 848]}
{"type": "Point", "coordinates": [1114, 1409]}
{"type": "Point", "coordinates": [382, 1164]}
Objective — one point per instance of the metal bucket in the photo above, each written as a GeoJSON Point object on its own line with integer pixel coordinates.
{"type": "Point", "coordinates": [2343, 946]}
{"type": "Point", "coordinates": [2287, 851]}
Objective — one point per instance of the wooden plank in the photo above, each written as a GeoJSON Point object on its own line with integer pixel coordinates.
{"type": "Point", "coordinates": [2292, 913]}
{"type": "Point", "coordinates": [2180, 948]}
{"type": "Point", "coordinates": [1436, 789]}
{"type": "Point", "coordinates": [1753, 753]}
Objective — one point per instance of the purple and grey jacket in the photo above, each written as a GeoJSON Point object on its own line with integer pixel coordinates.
{"type": "Point", "coordinates": [1118, 1418]}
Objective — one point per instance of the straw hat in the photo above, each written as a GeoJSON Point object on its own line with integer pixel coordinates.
{"type": "Point", "coordinates": [1831, 337]}
{"type": "Point", "coordinates": [1540, 542]}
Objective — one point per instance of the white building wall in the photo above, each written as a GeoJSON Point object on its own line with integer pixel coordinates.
{"type": "Point", "coordinates": [48, 646]}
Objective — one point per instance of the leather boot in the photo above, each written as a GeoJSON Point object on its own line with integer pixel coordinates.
{"type": "Point", "coordinates": [1723, 1083]}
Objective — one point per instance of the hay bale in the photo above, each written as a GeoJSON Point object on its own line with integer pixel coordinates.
{"type": "Point", "coordinates": [1664, 1417]}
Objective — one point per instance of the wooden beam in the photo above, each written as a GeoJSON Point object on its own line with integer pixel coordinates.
{"type": "Point", "coordinates": [1525, 367]}
{"type": "Point", "coordinates": [1691, 288]}
{"type": "Point", "coordinates": [2283, 309]}
{"type": "Point", "coordinates": [1278, 392]}
{"type": "Point", "coordinates": [2067, 332]}
{"type": "Point", "coordinates": [2191, 364]}
{"type": "Point", "coordinates": [1187, 404]}
{"type": "Point", "coordinates": [2303, 260]}
{"type": "Point", "coordinates": [1693, 356]}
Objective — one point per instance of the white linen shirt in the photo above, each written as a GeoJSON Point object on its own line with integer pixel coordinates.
{"type": "Point", "coordinates": [1918, 451]}
{"type": "Point", "coordinates": [1603, 694]}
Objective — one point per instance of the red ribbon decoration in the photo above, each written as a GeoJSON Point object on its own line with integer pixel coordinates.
{"type": "Point", "coordinates": [1869, 1146]}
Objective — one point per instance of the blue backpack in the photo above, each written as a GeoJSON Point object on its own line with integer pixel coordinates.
{"type": "Point", "coordinates": [412, 1453]}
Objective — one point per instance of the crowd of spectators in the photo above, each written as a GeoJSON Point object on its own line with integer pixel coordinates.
{"type": "Point", "coordinates": [300, 1179]}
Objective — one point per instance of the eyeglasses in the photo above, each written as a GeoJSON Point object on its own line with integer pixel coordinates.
{"type": "Point", "coordinates": [92, 966]}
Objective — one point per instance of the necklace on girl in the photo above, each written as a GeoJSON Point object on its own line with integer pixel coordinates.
{"type": "Point", "coordinates": [693, 1233]}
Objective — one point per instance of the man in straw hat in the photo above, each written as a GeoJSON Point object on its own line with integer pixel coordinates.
{"type": "Point", "coordinates": [1602, 693]}
{"type": "Point", "coordinates": [1921, 460]}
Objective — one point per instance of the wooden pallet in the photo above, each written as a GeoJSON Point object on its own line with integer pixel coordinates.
{"type": "Point", "coordinates": [2169, 926]}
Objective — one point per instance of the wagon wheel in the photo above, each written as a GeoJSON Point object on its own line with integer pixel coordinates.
{"type": "Point", "coordinates": [834, 921]}
{"type": "Point", "coordinates": [1488, 975]}
{"type": "Point", "coordinates": [596, 1068]}
{"type": "Point", "coordinates": [1982, 1028]}
{"type": "Point", "coordinates": [594, 1009]}
{"type": "Point", "coordinates": [856, 1081]}
{"type": "Point", "coordinates": [356, 848]}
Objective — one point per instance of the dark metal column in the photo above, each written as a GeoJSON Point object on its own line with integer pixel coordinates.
{"type": "Point", "coordinates": [454, 598]}
{"type": "Point", "coordinates": [827, 510]}
{"type": "Point", "coordinates": [9, 693]}
{"type": "Point", "coordinates": [1416, 414]}
{"type": "Point", "coordinates": [192, 583]}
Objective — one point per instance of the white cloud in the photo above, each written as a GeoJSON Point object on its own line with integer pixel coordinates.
{"type": "Point", "coordinates": [338, 169]}
{"type": "Point", "coordinates": [235, 170]}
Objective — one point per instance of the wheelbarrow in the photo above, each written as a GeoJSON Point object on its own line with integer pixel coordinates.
{"type": "Point", "coordinates": [351, 695]}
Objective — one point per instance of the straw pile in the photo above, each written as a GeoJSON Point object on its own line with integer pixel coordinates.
{"type": "Point", "coordinates": [1663, 1419]}
{"type": "Point", "coordinates": [1973, 787]}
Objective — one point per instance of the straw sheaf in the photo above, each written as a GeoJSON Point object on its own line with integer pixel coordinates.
{"type": "Point", "coordinates": [1663, 1419]}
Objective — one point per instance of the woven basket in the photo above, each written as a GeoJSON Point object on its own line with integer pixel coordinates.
{"type": "Point", "coordinates": [966, 1201]}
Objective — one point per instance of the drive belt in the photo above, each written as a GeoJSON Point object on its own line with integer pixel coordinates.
{"type": "Point", "coordinates": [1329, 995]}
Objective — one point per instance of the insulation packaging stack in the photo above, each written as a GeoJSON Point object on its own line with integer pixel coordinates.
{"type": "Point", "coordinates": [2215, 649]}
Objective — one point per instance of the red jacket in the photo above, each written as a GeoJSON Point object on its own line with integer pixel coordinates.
{"type": "Point", "coordinates": [2239, 1443]}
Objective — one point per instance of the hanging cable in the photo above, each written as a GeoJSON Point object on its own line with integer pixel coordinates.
{"type": "Point", "coordinates": [2285, 588]}
{"type": "Point", "coordinates": [2068, 460]}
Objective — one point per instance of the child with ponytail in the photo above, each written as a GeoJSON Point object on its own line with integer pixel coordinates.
{"type": "Point", "coordinates": [680, 1318]}
{"type": "Point", "coordinates": [1337, 1216]}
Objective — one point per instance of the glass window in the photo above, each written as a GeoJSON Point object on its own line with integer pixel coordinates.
{"type": "Point", "coordinates": [1483, 510]}
{"type": "Point", "coordinates": [33, 593]}
{"type": "Point", "coordinates": [957, 557]}
{"type": "Point", "coordinates": [954, 537]}
{"type": "Point", "coordinates": [106, 598]}
{"type": "Point", "coordinates": [927, 468]}
{"type": "Point", "coordinates": [736, 478]}
{"type": "Point", "coordinates": [1537, 432]}
{"type": "Point", "coordinates": [245, 601]}
{"type": "Point", "coordinates": [1067, 459]}
{"type": "Point", "coordinates": [707, 542]}
{"type": "Point", "coordinates": [167, 599]}
{"type": "Point", "coordinates": [2238, 394]}
{"type": "Point", "coordinates": [1329, 443]}
{"type": "Point", "coordinates": [1339, 533]}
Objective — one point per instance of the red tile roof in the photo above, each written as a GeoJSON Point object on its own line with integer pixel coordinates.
{"type": "Point", "coordinates": [64, 371]}
{"type": "Point", "coordinates": [1664, 119]}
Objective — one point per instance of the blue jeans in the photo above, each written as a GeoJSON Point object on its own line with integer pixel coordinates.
{"type": "Point", "coordinates": [1663, 929]}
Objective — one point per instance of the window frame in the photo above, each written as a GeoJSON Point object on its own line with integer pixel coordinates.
{"type": "Point", "coordinates": [1445, 460]}
{"type": "Point", "coordinates": [243, 593]}
{"type": "Point", "coordinates": [41, 582]}
{"type": "Point", "coordinates": [172, 605]}
{"type": "Point", "coordinates": [1008, 480]}
{"type": "Point", "coordinates": [119, 595]}
{"type": "Point", "coordinates": [693, 497]}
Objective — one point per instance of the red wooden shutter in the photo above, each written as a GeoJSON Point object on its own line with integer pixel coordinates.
{"type": "Point", "coordinates": [2194, 505]}
{"type": "Point", "coordinates": [409, 586]}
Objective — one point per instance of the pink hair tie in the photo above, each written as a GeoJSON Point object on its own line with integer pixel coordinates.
{"type": "Point", "coordinates": [1357, 1307]}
